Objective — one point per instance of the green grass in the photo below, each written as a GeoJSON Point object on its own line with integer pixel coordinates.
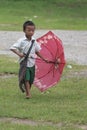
{"type": "Point", "coordinates": [8, 64]}
{"type": "Point", "coordinates": [57, 14]}
{"type": "Point", "coordinates": [65, 103]}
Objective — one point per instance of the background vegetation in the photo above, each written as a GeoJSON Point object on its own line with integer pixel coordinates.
{"type": "Point", "coordinates": [47, 14]}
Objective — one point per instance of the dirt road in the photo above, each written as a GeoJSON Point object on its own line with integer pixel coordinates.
{"type": "Point", "coordinates": [75, 43]}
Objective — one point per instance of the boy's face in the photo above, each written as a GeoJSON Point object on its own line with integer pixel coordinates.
{"type": "Point", "coordinates": [29, 31]}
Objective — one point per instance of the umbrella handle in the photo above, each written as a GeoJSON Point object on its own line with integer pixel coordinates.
{"type": "Point", "coordinates": [52, 62]}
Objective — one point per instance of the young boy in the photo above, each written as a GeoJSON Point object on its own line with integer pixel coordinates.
{"type": "Point", "coordinates": [21, 48]}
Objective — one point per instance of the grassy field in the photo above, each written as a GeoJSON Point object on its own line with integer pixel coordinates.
{"type": "Point", "coordinates": [64, 104]}
{"type": "Point", "coordinates": [47, 14]}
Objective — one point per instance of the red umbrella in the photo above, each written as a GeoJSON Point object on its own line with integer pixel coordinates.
{"type": "Point", "coordinates": [48, 74]}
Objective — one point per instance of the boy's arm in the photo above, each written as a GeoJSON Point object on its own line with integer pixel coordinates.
{"type": "Point", "coordinates": [18, 53]}
{"type": "Point", "coordinates": [38, 53]}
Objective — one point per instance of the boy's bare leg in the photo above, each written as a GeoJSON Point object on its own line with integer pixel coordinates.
{"type": "Point", "coordinates": [27, 87]}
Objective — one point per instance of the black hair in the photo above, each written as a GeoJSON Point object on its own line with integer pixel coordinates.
{"type": "Point", "coordinates": [28, 23]}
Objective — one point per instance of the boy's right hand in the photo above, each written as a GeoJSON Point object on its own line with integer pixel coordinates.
{"type": "Point", "coordinates": [21, 55]}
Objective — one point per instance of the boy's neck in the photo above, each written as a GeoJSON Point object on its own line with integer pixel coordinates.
{"type": "Point", "coordinates": [29, 38]}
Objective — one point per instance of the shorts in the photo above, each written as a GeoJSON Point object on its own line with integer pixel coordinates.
{"type": "Point", "coordinates": [30, 74]}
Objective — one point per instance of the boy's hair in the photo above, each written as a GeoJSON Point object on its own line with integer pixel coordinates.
{"type": "Point", "coordinates": [28, 23]}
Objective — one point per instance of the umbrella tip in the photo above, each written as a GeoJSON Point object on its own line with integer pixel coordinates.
{"type": "Point", "coordinates": [69, 66]}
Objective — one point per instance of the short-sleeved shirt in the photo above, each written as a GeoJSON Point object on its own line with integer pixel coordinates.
{"type": "Point", "coordinates": [23, 45]}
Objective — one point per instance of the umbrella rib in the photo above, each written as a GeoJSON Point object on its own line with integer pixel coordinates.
{"type": "Point", "coordinates": [57, 49]}
{"type": "Point", "coordinates": [50, 62]}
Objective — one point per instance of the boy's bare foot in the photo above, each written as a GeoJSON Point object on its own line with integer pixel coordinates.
{"type": "Point", "coordinates": [28, 96]}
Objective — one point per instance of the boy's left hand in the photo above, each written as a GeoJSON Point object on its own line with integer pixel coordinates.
{"type": "Point", "coordinates": [46, 60]}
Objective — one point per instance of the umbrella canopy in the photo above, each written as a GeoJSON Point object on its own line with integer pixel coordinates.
{"type": "Point", "coordinates": [48, 74]}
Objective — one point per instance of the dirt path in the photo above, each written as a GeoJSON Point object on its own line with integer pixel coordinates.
{"type": "Point", "coordinates": [75, 43]}
{"type": "Point", "coordinates": [70, 74]}
{"type": "Point", "coordinates": [36, 123]}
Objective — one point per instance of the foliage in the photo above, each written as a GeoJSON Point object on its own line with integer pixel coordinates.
{"type": "Point", "coordinates": [47, 14]}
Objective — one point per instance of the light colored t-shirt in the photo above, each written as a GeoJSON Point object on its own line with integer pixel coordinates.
{"type": "Point", "coordinates": [23, 45]}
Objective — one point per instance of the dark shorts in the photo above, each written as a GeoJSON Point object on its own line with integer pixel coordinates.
{"type": "Point", "coordinates": [30, 74]}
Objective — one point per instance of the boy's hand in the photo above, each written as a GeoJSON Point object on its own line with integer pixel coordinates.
{"type": "Point", "coordinates": [21, 55]}
{"type": "Point", "coordinates": [46, 60]}
{"type": "Point", "coordinates": [58, 61]}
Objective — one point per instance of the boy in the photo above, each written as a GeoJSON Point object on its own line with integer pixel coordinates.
{"type": "Point", "coordinates": [21, 48]}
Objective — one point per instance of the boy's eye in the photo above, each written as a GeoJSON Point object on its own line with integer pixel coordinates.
{"type": "Point", "coordinates": [30, 30]}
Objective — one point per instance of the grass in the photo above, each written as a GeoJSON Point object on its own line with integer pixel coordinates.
{"type": "Point", "coordinates": [66, 103]}
{"type": "Point", "coordinates": [8, 66]}
{"type": "Point", "coordinates": [47, 14]}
